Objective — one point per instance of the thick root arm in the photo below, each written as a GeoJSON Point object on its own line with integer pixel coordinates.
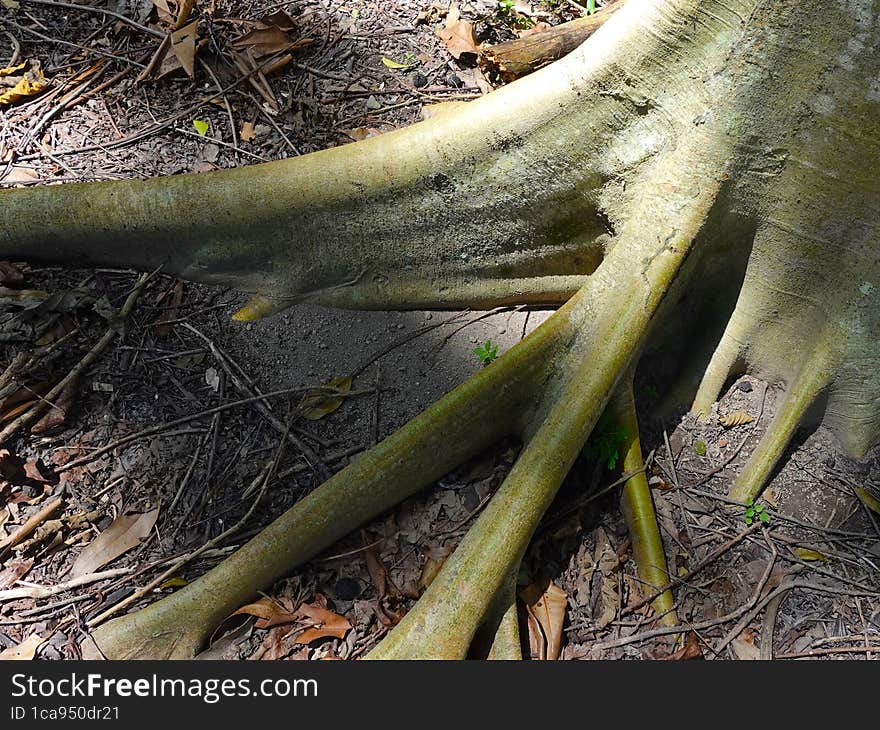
{"type": "Point", "coordinates": [466, 421]}
{"type": "Point", "coordinates": [801, 394]}
{"type": "Point", "coordinates": [638, 507]}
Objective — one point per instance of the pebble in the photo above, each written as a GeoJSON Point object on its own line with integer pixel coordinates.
{"type": "Point", "coordinates": [419, 80]}
{"type": "Point", "coordinates": [454, 81]}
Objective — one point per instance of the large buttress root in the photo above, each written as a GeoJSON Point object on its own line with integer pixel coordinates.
{"type": "Point", "coordinates": [638, 507]}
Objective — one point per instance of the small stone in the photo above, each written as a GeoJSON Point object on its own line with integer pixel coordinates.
{"type": "Point", "coordinates": [419, 80]}
{"type": "Point", "coordinates": [745, 386]}
{"type": "Point", "coordinates": [454, 81]}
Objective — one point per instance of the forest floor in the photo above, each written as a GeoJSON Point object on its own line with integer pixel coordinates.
{"type": "Point", "coordinates": [804, 583]}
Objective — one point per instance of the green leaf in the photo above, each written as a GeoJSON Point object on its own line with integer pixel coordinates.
{"type": "Point", "coordinates": [591, 7]}
{"type": "Point", "coordinates": [700, 448]}
{"type": "Point", "coordinates": [764, 517]}
{"type": "Point", "coordinates": [201, 126]}
{"type": "Point", "coordinates": [391, 63]}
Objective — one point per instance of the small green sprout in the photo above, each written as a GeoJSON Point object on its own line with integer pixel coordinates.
{"type": "Point", "coordinates": [700, 448]}
{"type": "Point", "coordinates": [756, 512]}
{"type": "Point", "coordinates": [591, 7]}
{"type": "Point", "coordinates": [604, 444]}
{"type": "Point", "coordinates": [486, 352]}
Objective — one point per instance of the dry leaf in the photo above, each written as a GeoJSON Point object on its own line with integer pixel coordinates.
{"type": "Point", "coordinates": [608, 563]}
{"type": "Point", "coordinates": [163, 11]}
{"type": "Point", "coordinates": [125, 532]}
{"type": "Point", "coordinates": [10, 274]}
{"type": "Point", "coordinates": [690, 650]}
{"type": "Point", "coordinates": [361, 133]}
{"type": "Point", "coordinates": [869, 500]}
{"type": "Point", "coordinates": [19, 175]}
{"type": "Point", "coordinates": [62, 405]}
{"type": "Point", "coordinates": [436, 558]}
{"type": "Point", "coordinates": [163, 329]}
{"type": "Point", "coordinates": [14, 570]}
{"type": "Point", "coordinates": [183, 43]}
{"type": "Point", "coordinates": [269, 613]}
{"type": "Point", "coordinates": [328, 624]}
{"type": "Point", "coordinates": [18, 82]}
{"type": "Point", "coordinates": [737, 418]}
{"type": "Point", "coordinates": [317, 404]}
{"type": "Point", "coordinates": [391, 63]}
{"type": "Point", "coordinates": [744, 646]}
{"type": "Point", "coordinates": [247, 132]}
{"type": "Point", "coordinates": [25, 651]}
{"type": "Point", "coordinates": [458, 35]}
{"type": "Point", "coordinates": [545, 603]}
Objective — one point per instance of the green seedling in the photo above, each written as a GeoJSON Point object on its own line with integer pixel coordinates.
{"type": "Point", "coordinates": [756, 512]}
{"type": "Point", "coordinates": [604, 444]}
{"type": "Point", "coordinates": [487, 352]}
{"type": "Point", "coordinates": [700, 448]}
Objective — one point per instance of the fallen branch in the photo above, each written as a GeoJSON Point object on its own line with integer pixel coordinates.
{"type": "Point", "coordinates": [524, 55]}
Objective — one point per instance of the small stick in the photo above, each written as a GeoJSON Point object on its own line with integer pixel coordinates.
{"type": "Point", "coordinates": [31, 524]}
{"type": "Point", "coordinates": [33, 591]}
{"type": "Point", "coordinates": [37, 409]}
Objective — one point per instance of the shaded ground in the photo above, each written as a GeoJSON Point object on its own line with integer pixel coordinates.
{"type": "Point", "coordinates": [181, 355]}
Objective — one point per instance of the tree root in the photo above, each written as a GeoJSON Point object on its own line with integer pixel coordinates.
{"type": "Point", "coordinates": [637, 506]}
{"type": "Point", "coordinates": [801, 394]}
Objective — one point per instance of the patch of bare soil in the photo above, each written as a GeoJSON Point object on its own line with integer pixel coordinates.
{"type": "Point", "coordinates": [146, 453]}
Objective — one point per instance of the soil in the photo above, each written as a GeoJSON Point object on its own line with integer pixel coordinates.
{"type": "Point", "coordinates": [821, 542]}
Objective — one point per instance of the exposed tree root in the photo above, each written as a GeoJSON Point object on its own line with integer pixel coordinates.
{"type": "Point", "coordinates": [637, 506]}
{"type": "Point", "coordinates": [676, 163]}
{"type": "Point", "coordinates": [801, 394]}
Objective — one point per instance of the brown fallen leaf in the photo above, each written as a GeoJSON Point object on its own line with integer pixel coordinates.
{"type": "Point", "coordinates": [10, 273]}
{"type": "Point", "coordinates": [690, 650]}
{"type": "Point", "coordinates": [247, 131]}
{"type": "Point", "coordinates": [327, 624]}
{"type": "Point", "coordinates": [317, 404]}
{"type": "Point", "coordinates": [269, 613]}
{"type": "Point", "coordinates": [175, 297]}
{"type": "Point", "coordinates": [124, 533]}
{"type": "Point", "coordinates": [608, 563]}
{"type": "Point", "coordinates": [436, 558]}
{"type": "Point", "coordinates": [545, 603]}
{"type": "Point", "coordinates": [744, 646]}
{"type": "Point", "coordinates": [25, 651]}
{"type": "Point", "coordinates": [183, 44]}
{"type": "Point", "coordinates": [458, 35]}
{"type": "Point", "coordinates": [737, 418]}
{"type": "Point", "coordinates": [14, 570]}
{"type": "Point", "coordinates": [59, 411]}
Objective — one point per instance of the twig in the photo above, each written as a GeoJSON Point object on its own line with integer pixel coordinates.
{"type": "Point", "coordinates": [153, 430]}
{"type": "Point", "coordinates": [34, 591]}
{"type": "Point", "coordinates": [39, 406]}
{"type": "Point", "coordinates": [31, 524]}
{"type": "Point", "coordinates": [769, 625]}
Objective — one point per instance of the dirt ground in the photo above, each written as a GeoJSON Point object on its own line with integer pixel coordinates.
{"type": "Point", "coordinates": [804, 584]}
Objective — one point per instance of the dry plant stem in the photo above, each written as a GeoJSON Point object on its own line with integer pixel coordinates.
{"type": "Point", "coordinates": [48, 400]}
{"type": "Point", "coordinates": [466, 421]}
{"type": "Point", "coordinates": [637, 506]}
